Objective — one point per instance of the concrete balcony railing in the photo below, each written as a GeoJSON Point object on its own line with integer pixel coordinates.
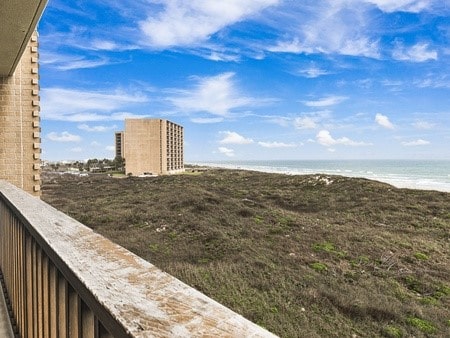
{"type": "Point", "coordinates": [64, 280]}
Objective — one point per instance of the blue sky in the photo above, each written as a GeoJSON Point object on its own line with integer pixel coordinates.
{"type": "Point", "coordinates": [249, 79]}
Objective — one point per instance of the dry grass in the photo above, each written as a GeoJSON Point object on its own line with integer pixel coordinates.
{"type": "Point", "coordinates": [294, 254]}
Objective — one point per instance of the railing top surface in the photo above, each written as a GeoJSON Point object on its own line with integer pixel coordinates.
{"type": "Point", "coordinates": [143, 299]}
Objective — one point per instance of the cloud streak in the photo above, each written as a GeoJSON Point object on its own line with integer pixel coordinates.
{"type": "Point", "coordinates": [64, 136]}
{"type": "Point", "coordinates": [312, 72]}
{"type": "Point", "coordinates": [325, 101]}
{"type": "Point", "coordinates": [232, 137]}
{"type": "Point", "coordinates": [415, 143]}
{"type": "Point", "coordinates": [75, 105]}
{"type": "Point", "coordinates": [187, 23]}
{"type": "Point", "coordinates": [275, 145]}
{"type": "Point", "coordinates": [74, 62]}
{"type": "Point", "coordinates": [226, 151]}
{"type": "Point", "coordinates": [216, 95]}
{"type": "Point", "coordinates": [328, 27]}
{"type": "Point", "coordinates": [324, 138]}
{"type": "Point", "coordinates": [99, 129]}
{"type": "Point", "coordinates": [413, 6]}
{"type": "Point", "coordinates": [420, 52]}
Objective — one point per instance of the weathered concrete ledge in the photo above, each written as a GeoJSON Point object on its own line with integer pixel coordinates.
{"type": "Point", "coordinates": [139, 297]}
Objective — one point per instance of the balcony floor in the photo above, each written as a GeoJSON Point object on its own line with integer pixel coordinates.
{"type": "Point", "coordinates": [5, 324]}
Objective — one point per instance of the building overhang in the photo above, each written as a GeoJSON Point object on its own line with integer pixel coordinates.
{"type": "Point", "coordinates": [18, 20]}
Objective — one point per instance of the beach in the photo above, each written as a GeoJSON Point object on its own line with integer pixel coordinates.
{"type": "Point", "coordinates": [424, 175]}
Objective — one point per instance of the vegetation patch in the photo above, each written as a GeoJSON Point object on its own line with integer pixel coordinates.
{"type": "Point", "coordinates": [294, 254]}
{"type": "Point", "coordinates": [421, 256]}
{"type": "Point", "coordinates": [328, 247]}
{"type": "Point", "coordinates": [319, 267]}
{"type": "Point", "coordinates": [422, 325]}
{"type": "Point", "coordinates": [393, 332]}
{"type": "Point", "coordinates": [324, 246]}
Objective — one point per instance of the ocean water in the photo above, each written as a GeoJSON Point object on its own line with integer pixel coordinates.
{"type": "Point", "coordinates": [426, 175]}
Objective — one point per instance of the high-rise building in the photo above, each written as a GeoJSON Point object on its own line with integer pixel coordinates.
{"type": "Point", "coordinates": [119, 144]}
{"type": "Point", "coordinates": [151, 146]}
{"type": "Point", "coordinates": [20, 142]}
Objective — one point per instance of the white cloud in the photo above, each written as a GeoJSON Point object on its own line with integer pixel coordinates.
{"type": "Point", "coordinates": [64, 136]}
{"type": "Point", "coordinates": [425, 83]}
{"type": "Point", "coordinates": [120, 116]}
{"type": "Point", "coordinates": [71, 62]}
{"type": "Point", "coordinates": [80, 106]}
{"type": "Point", "coordinates": [186, 23]}
{"type": "Point", "coordinates": [433, 81]}
{"type": "Point", "coordinates": [423, 125]}
{"type": "Point", "coordinates": [391, 83]}
{"type": "Point", "coordinates": [282, 121]}
{"type": "Point", "coordinates": [306, 122]}
{"type": "Point", "coordinates": [226, 151]}
{"type": "Point", "coordinates": [76, 150]}
{"type": "Point", "coordinates": [216, 95]}
{"type": "Point", "coordinates": [311, 120]}
{"type": "Point", "coordinates": [312, 72]}
{"type": "Point", "coordinates": [324, 138]}
{"type": "Point", "coordinates": [95, 117]}
{"type": "Point", "coordinates": [413, 6]}
{"type": "Point", "coordinates": [345, 27]}
{"type": "Point", "coordinates": [111, 148]}
{"type": "Point", "coordinates": [417, 53]}
{"type": "Point", "coordinates": [294, 46]}
{"type": "Point", "coordinates": [232, 137]}
{"type": "Point", "coordinates": [205, 120]}
{"type": "Point", "coordinates": [218, 56]}
{"type": "Point", "coordinates": [327, 27]}
{"type": "Point", "coordinates": [362, 46]}
{"type": "Point", "coordinates": [326, 101]}
{"type": "Point", "coordinates": [90, 38]}
{"type": "Point", "coordinates": [100, 129]}
{"type": "Point", "coordinates": [358, 47]}
{"type": "Point", "coordinates": [383, 121]}
{"type": "Point", "coordinates": [81, 64]}
{"type": "Point", "coordinates": [415, 143]}
{"type": "Point", "coordinates": [105, 45]}
{"type": "Point", "coordinates": [276, 145]}
{"type": "Point", "coordinates": [95, 144]}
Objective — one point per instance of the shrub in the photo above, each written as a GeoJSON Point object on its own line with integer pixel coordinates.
{"type": "Point", "coordinates": [393, 332]}
{"type": "Point", "coordinates": [422, 324]}
{"type": "Point", "coordinates": [421, 256]}
{"type": "Point", "coordinates": [325, 246]}
{"type": "Point", "coordinates": [319, 267]}
{"type": "Point", "coordinates": [329, 248]}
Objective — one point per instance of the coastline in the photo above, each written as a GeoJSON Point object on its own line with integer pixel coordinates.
{"type": "Point", "coordinates": [303, 256]}
{"type": "Point", "coordinates": [396, 179]}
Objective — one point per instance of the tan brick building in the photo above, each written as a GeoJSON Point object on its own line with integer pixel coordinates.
{"type": "Point", "coordinates": [19, 94]}
{"type": "Point", "coordinates": [151, 146]}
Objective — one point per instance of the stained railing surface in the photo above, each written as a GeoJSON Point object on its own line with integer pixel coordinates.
{"type": "Point", "coordinates": [64, 280]}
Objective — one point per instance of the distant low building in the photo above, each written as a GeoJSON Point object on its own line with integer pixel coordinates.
{"type": "Point", "coordinates": [119, 144]}
{"type": "Point", "coordinates": [151, 146]}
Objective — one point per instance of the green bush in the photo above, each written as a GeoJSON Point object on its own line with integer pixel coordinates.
{"type": "Point", "coordinates": [422, 324]}
{"type": "Point", "coordinates": [393, 332]}
{"type": "Point", "coordinates": [421, 256]}
{"type": "Point", "coordinates": [319, 267]}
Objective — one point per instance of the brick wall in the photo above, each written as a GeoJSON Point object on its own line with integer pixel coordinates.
{"type": "Point", "coordinates": [142, 146]}
{"type": "Point", "coordinates": [152, 145]}
{"type": "Point", "coordinates": [20, 123]}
